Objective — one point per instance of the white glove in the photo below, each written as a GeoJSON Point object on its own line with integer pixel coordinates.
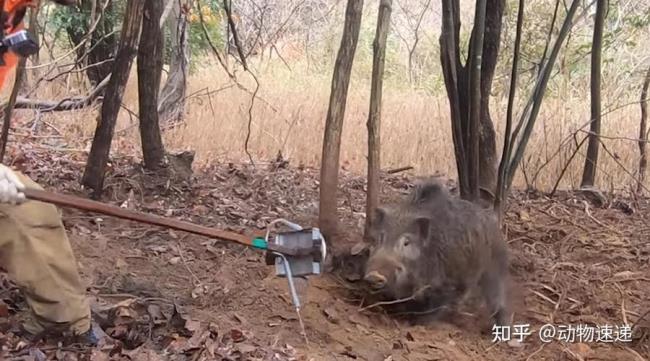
{"type": "Point", "coordinates": [10, 186]}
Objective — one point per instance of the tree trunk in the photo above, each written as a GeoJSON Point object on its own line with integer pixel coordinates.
{"type": "Point", "coordinates": [643, 132]}
{"type": "Point", "coordinates": [150, 62]}
{"type": "Point", "coordinates": [34, 31]}
{"type": "Point", "coordinates": [522, 132]}
{"type": "Point", "coordinates": [95, 168]}
{"type": "Point", "coordinates": [474, 97]}
{"type": "Point", "coordinates": [374, 114]}
{"type": "Point", "coordinates": [476, 160]}
{"type": "Point", "coordinates": [172, 97]}
{"type": "Point", "coordinates": [9, 107]}
{"type": "Point", "coordinates": [500, 195]}
{"type": "Point", "coordinates": [334, 121]}
{"type": "Point", "coordinates": [452, 72]}
{"type": "Point", "coordinates": [488, 160]}
{"type": "Point", "coordinates": [591, 162]}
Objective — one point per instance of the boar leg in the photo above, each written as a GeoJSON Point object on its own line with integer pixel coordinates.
{"type": "Point", "coordinates": [493, 287]}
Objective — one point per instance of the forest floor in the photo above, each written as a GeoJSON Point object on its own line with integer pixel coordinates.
{"type": "Point", "coordinates": [165, 295]}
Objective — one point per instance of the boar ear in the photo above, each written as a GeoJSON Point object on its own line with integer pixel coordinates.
{"type": "Point", "coordinates": [421, 225]}
{"type": "Point", "coordinates": [427, 191]}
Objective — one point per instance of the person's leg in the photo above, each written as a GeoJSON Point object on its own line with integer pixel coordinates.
{"type": "Point", "coordinates": [35, 251]}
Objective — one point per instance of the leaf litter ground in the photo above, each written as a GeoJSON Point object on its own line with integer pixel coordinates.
{"type": "Point", "coordinates": [164, 295]}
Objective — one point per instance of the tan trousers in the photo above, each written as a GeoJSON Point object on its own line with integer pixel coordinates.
{"type": "Point", "coordinates": [35, 251]}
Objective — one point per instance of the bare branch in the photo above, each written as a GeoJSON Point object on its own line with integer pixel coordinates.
{"type": "Point", "coordinates": [65, 104]}
{"type": "Point", "coordinates": [233, 29]}
{"type": "Point", "coordinates": [81, 43]}
{"type": "Point", "coordinates": [166, 12]}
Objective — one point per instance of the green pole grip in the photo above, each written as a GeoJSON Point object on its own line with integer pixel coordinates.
{"type": "Point", "coordinates": [259, 243]}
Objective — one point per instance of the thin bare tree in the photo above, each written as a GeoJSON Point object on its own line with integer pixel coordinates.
{"type": "Point", "coordinates": [414, 23]}
{"type": "Point", "coordinates": [374, 114]}
{"type": "Point", "coordinates": [328, 218]}
{"type": "Point", "coordinates": [498, 199]}
{"type": "Point", "coordinates": [171, 105]}
{"type": "Point", "coordinates": [591, 161]}
{"type": "Point", "coordinates": [150, 64]}
{"type": "Point", "coordinates": [9, 107]}
{"type": "Point", "coordinates": [468, 89]}
{"type": "Point", "coordinates": [94, 172]}
{"type": "Point", "coordinates": [643, 132]}
{"type": "Point", "coordinates": [518, 139]}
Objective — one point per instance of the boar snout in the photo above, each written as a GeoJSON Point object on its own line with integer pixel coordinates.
{"type": "Point", "coordinates": [376, 280]}
{"type": "Point", "coordinates": [383, 271]}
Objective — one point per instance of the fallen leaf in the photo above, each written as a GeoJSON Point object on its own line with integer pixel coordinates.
{"type": "Point", "coordinates": [236, 335]}
{"type": "Point", "coordinates": [331, 315]}
{"type": "Point", "coordinates": [524, 216]}
{"type": "Point", "coordinates": [174, 260]}
{"type": "Point", "coordinates": [143, 354]}
{"type": "Point", "coordinates": [123, 315]}
{"type": "Point", "coordinates": [198, 339]}
{"type": "Point", "coordinates": [4, 309]}
{"type": "Point", "coordinates": [582, 350]}
{"type": "Point", "coordinates": [212, 327]}
{"type": "Point", "coordinates": [515, 343]}
{"type": "Point", "coordinates": [98, 355]}
{"type": "Point", "coordinates": [246, 348]}
{"type": "Point", "coordinates": [119, 332]}
{"type": "Point", "coordinates": [157, 317]}
{"type": "Point", "coordinates": [159, 249]}
{"type": "Point", "coordinates": [37, 354]}
{"type": "Point", "coordinates": [199, 291]}
{"type": "Point", "coordinates": [627, 275]}
{"type": "Point", "coordinates": [192, 325]}
{"type": "Point", "coordinates": [83, 229]}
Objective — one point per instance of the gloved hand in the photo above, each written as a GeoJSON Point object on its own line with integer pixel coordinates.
{"type": "Point", "coordinates": [10, 186]}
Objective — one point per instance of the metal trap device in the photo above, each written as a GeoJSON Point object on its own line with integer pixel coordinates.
{"type": "Point", "coordinates": [298, 252]}
{"type": "Point", "coordinates": [304, 250]}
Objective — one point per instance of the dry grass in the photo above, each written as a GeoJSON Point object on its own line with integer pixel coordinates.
{"type": "Point", "coordinates": [291, 112]}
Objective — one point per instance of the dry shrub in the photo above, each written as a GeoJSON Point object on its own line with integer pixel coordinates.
{"type": "Point", "coordinates": [290, 112]}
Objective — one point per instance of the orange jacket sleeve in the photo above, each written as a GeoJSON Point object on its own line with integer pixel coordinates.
{"type": "Point", "coordinates": [15, 10]}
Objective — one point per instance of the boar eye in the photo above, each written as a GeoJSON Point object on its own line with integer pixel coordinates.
{"type": "Point", "coordinates": [406, 241]}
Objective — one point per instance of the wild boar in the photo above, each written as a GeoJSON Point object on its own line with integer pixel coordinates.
{"type": "Point", "coordinates": [434, 249]}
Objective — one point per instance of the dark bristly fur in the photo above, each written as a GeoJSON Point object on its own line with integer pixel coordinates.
{"type": "Point", "coordinates": [441, 243]}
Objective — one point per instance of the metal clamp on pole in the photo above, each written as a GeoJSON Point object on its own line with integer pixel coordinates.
{"type": "Point", "coordinates": [20, 42]}
{"type": "Point", "coordinates": [310, 249]}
